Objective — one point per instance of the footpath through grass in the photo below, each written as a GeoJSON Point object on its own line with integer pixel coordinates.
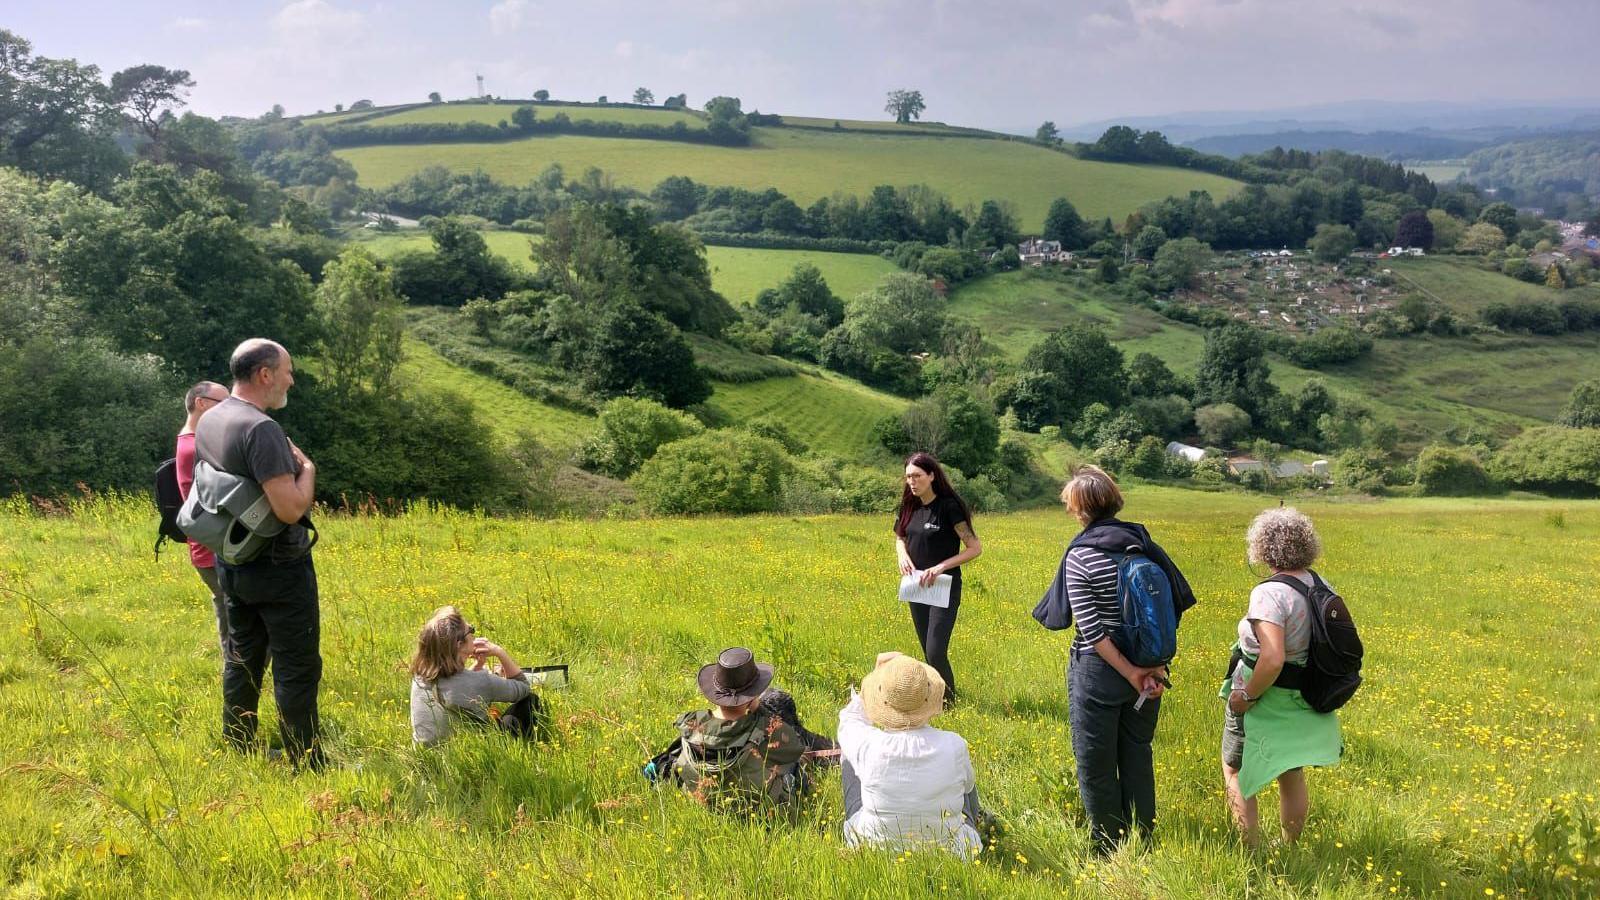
{"type": "Point", "coordinates": [1478, 709]}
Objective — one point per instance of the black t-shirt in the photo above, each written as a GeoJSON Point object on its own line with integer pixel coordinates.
{"type": "Point", "coordinates": [240, 439]}
{"type": "Point", "coordinates": [931, 533]}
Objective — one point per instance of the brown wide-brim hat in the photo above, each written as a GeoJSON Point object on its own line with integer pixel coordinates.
{"type": "Point", "coordinates": [902, 694]}
{"type": "Point", "coordinates": [735, 678]}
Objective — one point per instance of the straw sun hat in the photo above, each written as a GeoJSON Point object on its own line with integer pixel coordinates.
{"type": "Point", "coordinates": [902, 694]}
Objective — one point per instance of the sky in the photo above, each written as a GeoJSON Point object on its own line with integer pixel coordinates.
{"type": "Point", "coordinates": [998, 65]}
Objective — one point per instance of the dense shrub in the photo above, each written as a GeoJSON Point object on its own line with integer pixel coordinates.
{"type": "Point", "coordinates": [715, 472]}
{"type": "Point", "coordinates": [631, 430]}
{"type": "Point", "coordinates": [1451, 471]}
{"type": "Point", "coordinates": [1329, 346]}
{"type": "Point", "coordinates": [771, 240]}
{"type": "Point", "coordinates": [1553, 458]}
{"type": "Point", "coordinates": [360, 135]}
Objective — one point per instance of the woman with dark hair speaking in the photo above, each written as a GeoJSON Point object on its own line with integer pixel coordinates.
{"type": "Point", "coordinates": [933, 537]}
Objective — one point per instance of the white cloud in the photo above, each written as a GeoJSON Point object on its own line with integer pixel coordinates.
{"type": "Point", "coordinates": [508, 16]}
{"type": "Point", "coordinates": [313, 19]}
{"type": "Point", "coordinates": [624, 49]}
{"type": "Point", "coordinates": [187, 23]}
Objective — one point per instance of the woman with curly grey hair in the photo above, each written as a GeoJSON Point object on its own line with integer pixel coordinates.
{"type": "Point", "coordinates": [1284, 733]}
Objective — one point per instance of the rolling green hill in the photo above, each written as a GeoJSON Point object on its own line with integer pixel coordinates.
{"type": "Point", "coordinates": [831, 413]}
{"type": "Point", "coordinates": [1467, 289]}
{"type": "Point", "coordinates": [807, 165]}
{"type": "Point", "coordinates": [740, 273]}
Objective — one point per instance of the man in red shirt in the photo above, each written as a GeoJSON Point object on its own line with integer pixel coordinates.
{"type": "Point", "coordinates": [199, 399]}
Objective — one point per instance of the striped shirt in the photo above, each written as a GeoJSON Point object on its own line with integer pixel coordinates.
{"type": "Point", "coordinates": [1092, 593]}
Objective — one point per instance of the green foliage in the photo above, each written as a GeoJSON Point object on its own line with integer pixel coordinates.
{"type": "Point", "coordinates": [1149, 458]}
{"type": "Point", "coordinates": [1332, 243]}
{"type": "Point", "coordinates": [75, 412]}
{"type": "Point", "coordinates": [1234, 370]}
{"type": "Point", "coordinates": [1179, 261]}
{"type": "Point", "coordinates": [57, 118]}
{"type": "Point", "coordinates": [459, 269]}
{"type": "Point", "coordinates": [635, 352]}
{"type": "Point", "coordinates": [770, 427]}
{"type": "Point", "coordinates": [1065, 373]}
{"type": "Point", "coordinates": [715, 472]}
{"type": "Point", "coordinates": [631, 431]}
{"type": "Point", "coordinates": [905, 105]}
{"type": "Point", "coordinates": [1329, 346]}
{"type": "Point", "coordinates": [805, 292]}
{"type": "Point", "coordinates": [1447, 229]}
{"type": "Point", "coordinates": [1482, 237]}
{"type": "Point", "coordinates": [360, 314]}
{"type": "Point", "coordinates": [1062, 223]}
{"type": "Point", "coordinates": [1552, 458]}
{"type": "Point", "coordinates": [1148, 241]}
{"type": "Point", "coordinates": [1583, 407]}
{"type": "Point", "coordinates": [1365, 471]}
{"type": "Point", "coordinates": [1221, 424]}
{"type": "Point", "coordinates": [1414, 229]}
{"type": "Point", "coordinates": [1502, 216]}
{"type": "Point", "coordinates": [1149, 376]}
{"type": "Point", "coordinates": [1451, 471]}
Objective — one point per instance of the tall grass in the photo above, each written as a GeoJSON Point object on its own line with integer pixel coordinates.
{"type": "Point", "coordinates": [1478, 708]}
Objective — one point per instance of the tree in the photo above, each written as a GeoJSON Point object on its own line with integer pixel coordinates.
{"type": "Point", "coordinates": [1180, 261]}
{"type": "Point", "coordinates": [996, 226]}
{"type": "Point", "coordinates": [678, 197]}
{"type": "Point", "coordinates": [1482, 238]}
{"type": "Point", "coordinates": [1234, 370]}
{"type": "Point", "coordinates": [614, 365]}
{"type": "Point", "coordinates": [1064, 374]}
{"type": "Point", "coordinates": [1332, 243]}
{"type": "Point", "coordinates": [1414, 229]}
{"type": "Point", "coordinates": [1062, 223]}
{"type": "Point", "coordinates": [1451, 471]}
{"type": "Point", "coordinates": [905, 105]}
{"type": "Point", "coordinates": [1502, 216]}
{"type": "Point", "coordinates": [1148, 241]}
{"type": "Point", "coordinates": [1149, 376]}
{"type": "Point", "coordinates": [56, 118]}
{"type": "Point", "coordinates": [149, 94]}
{"type": "Point", "coordinates": [1047, 133]}
{"type": "Point", "coordinates": [523, 118]}
{"type": "Point", "coordinates": [1564, 460]}
{"type": "Point", "coordinates": [676, 101]}
{"type": "Point", "coordinates": [1554, 278]}
{"type": "Point", "coordinates": [360, 316]}
{"type": "Point", "coordinates": [631, 430]}
{"type": "Point", "coordinates": [361, 104]}
{"type": "Point", "coordinates": [1583, 407]}
{"type": "Point", "coordinates": [900, 313]}
{"type": "Point", "coordinates": [715, 472]}
{"type": "Point", "coordinates": [805, 291]}
{"type": "Point", "coordinates": [435, 98]}
{"type": "Point", "coordinates": [643, 97]}
{"type": "Point", "coordinates": [541, 95]}
{"type": "Point", "coordinates": [602, 99]}
{"type": "Point", "coordinates": [1447, 229]}
{"type": "Point", "coordinates": [1221, 424]}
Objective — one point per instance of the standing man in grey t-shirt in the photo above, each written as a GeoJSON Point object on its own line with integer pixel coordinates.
{"type": "Point", "coordinates": [271, 600]}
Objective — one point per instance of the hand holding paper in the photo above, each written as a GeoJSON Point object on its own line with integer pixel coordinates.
{"type": "Point", "coordinates": [936, 594]}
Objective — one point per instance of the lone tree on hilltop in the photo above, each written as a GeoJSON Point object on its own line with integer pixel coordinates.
{"type": "Point", "coordinates": [541, 95]}
{"type": "Point", "coordinates": [643, 97]}
{"type": "Point", "coordinates": [1047, 133]}
{"type": "Point", "coordinates": [435, 98]}
{"type": "Point", "coordinates": [149, 94]}
{"type": "Point", "coordinates": [905, 106]}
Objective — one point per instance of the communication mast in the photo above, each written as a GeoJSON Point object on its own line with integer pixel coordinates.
{"type": "Point", "coordinates": [480, 87]}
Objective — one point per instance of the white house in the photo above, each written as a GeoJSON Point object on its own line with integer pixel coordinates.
{"type": "Point", "coordinates": [1036, 251]}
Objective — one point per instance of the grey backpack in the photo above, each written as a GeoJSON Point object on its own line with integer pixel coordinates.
{"type": "Point", "coordinates": [229, 515]}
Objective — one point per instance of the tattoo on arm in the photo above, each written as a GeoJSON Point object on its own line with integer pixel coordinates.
{"type": "Point", "coordinates": [964, 530]}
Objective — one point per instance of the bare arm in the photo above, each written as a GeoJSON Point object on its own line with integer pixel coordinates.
{"type": "Point", "coordinates": [1269, 662]}
{"type": "Point", "coordinates": [971, 549]}
{"type": "Point", "coordinates": [906, 568]}
{"type": "Point", "coordinates": [291, 495]}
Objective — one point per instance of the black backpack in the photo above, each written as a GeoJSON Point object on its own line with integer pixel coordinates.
{"type": "Point", "coordinates": [1332, 671]}
{"type": "Point", "coordinates": [168, 501]}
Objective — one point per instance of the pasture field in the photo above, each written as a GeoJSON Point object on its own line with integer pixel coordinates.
{"type": "Point", "coordinates": [740, 273]}
{"type": "Point", "coordinates": [1439, 173]}
{"type": "Point", "coordinates": [1467, 289]}
{"type": "Point", "coordinates": [881, 125]}
{"type": "Point", "coordinates": [807, 165]}
{"type": "Point", "coordinates": [513, 246]}
{"type": "Point", "coordinates": [504, 409]}
{"type": "Point", "coordinates": [493, 113]}
{"type": "Point", "coordinates": [1473, 735]}
{"type": "Point", "coordinates": [833, 414]}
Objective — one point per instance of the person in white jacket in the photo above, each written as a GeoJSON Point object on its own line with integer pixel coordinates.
{"type": "Point", "coordinates": [906, 784]}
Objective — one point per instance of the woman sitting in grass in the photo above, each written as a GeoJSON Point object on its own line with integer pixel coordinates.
{"type": "Point", "coordinates": [906, 784]}
{"type": "Point", "coordinates": [1269, 731]}
{"type": "Point", "coordinates": [444, 689]}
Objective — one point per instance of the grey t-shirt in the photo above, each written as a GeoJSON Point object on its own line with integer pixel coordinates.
{"type": "Point", "coordinates": [464, 693]}
{"type": "Point", "coordinates": [240, 439]}
{"type": "Point", "coordinates": [1283, 606]}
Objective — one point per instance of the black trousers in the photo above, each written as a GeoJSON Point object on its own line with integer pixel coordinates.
{"type": "Point", "coordinates": [934, 626]}
{"type": "Point", "coordinates": [273, 609]}
{"type": "Point", "coordinates": [1111, 742]}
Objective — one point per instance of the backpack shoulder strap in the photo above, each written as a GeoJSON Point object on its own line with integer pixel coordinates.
{"type": "Point", "coordinates": [1291, 581]}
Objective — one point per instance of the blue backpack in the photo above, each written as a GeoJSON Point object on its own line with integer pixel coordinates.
{"type": "Point", "coordinates": [1149, 632]}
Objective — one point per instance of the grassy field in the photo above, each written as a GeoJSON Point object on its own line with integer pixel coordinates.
{"type": "Point", "coordinates": [1439, 173]}
{"type": "Point", "coordinates": [1460, 284]}
{"type": "Point", "coordinates": [493, 113]}
{"type": "Point", "coordinates": [807, 165]}
{"type": "Point", "coordinates": [507, 411]}
{"type": "Point", "coordinates": [833, 414]}
{"type": "Point", "coordinates": [1477, 713]}
{"type": "Point", "coordinates": [740, 273]}
{"type": "Point", "coordinates": [513, 246]}
{"type": "Point", "coordinates": [879, 125]}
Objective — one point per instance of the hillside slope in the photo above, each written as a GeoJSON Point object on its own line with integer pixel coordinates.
{"type": "Point", "coordinates": [808, 164]}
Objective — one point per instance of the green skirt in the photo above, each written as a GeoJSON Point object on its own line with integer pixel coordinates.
{"type": "Point", "coordinates": [1282, 732]}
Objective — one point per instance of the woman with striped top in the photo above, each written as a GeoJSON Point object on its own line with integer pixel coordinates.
{"type": "Point", "coordinates": [1111, 735]}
